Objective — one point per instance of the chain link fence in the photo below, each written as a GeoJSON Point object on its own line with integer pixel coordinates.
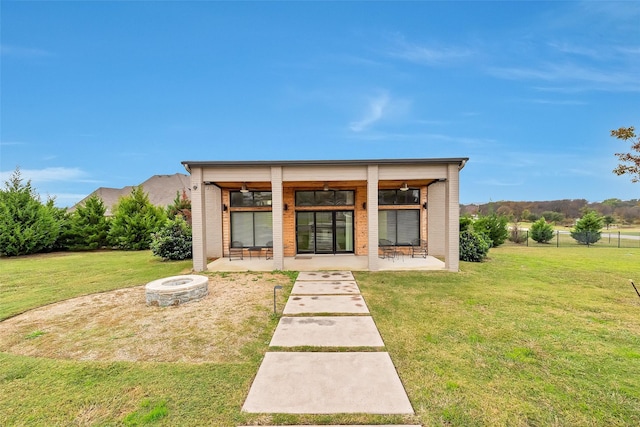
{"type": "Point", "coordinates": [610, 239]}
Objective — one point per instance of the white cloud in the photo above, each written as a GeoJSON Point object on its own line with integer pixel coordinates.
{"type": "Point", "coordinates": [376, 110]}
{"type": "Point", "coordinates": [25, 52]}
{"type": "Point", "coordinates": [59, 174]}
{"type": "Point", "coordinates": [428, 54]}
{"type": "Point", "coordinates": [572, 74]}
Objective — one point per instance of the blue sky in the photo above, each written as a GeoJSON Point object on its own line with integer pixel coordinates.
{"type": "Point", "coordinates": [109, 93]}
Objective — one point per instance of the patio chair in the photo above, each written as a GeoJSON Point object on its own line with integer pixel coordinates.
{"type": "Point", "coordinates": [388, 249]}
{"type": "Point", "coordinates": [269, 247]}
{"type": "Point", "coordinates": [236, 250]}
{"type": "Point", "coordinates": [419, 248]}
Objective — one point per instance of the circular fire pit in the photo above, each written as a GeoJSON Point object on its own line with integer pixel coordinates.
{"type": "Point", "coordinates": [176, 290]}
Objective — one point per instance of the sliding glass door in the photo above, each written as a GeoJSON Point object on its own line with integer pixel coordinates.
{"type": "Point", "coordinates": [324, 232]}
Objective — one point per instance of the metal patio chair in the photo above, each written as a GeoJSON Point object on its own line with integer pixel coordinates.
{"type": "Point", "coordinates": [236, 250]}
{"type": "Point", "coordinates": [418, 248]}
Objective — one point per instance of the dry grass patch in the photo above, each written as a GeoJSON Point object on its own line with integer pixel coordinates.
{"type": "Point", "coordinates": [119, 326]}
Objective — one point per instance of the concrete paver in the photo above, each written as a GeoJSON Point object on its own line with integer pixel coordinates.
{"type": "Point", "coordinates": [327, 383]}
{"type": "Point", "coordinates": [325, 275]}
{"type": "Point", "coordinates": [335, 304]}
{"type": "Point", "coordinates": [334, 287]}
{"type": "Point", "coordinates": [327, 331]}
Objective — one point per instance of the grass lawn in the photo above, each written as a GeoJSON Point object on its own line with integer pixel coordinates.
{"type": "Point", "coordinates": [530, 337]}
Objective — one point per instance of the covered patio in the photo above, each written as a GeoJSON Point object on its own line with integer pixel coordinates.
{"type": "Point", "coordinates": [325, 214]}
{"type": "Point", "coordinates": [328, 263]}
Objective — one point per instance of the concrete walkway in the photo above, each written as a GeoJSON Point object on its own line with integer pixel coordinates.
{"type": "Point", "coordinates": [327, 382]}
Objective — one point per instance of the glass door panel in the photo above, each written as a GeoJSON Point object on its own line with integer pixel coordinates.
{"type": "Point", "coordinates": [344, 231]}
{"type": "Point", "coordinates": [324, 232]}
{"type": "Point", "coordinates": [305, 232]}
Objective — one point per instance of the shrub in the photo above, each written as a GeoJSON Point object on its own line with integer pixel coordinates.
{"type": "Point", "coordinates": [173, 241]}
{"type": "Point", "coordinates": [517, 235]}
{"type": "Point", "coordinates": [494, 226]}
{"type": "Point", "coordinates": [474, 247]}
{"type": "Point", "coordinates": [541, 231]}
{"type": "Point", "coordinates": [587, 229]}
{"type": "Point", "coordinates": [26, 225]}
{"type": "Point", "coordinates": [134, 221]}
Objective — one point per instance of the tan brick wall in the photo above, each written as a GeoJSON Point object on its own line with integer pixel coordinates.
{"type": "Point", "coordinates": [361, 230]}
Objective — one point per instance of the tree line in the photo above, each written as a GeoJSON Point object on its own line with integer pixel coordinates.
{"type": "Point", "coordinates": [28, 225]}
{"type": "Point", "coordinates": [562, 212]}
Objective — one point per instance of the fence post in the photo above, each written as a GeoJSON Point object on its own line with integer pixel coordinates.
{"type": "Point", "coordinates": [527, 238]}
{"type": "Point", "coordinates": [618, 240]}
{"type": "Point", "coordinates": [557, 238]}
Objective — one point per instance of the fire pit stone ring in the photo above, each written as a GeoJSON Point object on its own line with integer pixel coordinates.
{"type": "Point", "coordinates": [176, 290]}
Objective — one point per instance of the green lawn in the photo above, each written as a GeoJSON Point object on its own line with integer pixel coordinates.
{"type": "Point", "coordinates": [530, 337]}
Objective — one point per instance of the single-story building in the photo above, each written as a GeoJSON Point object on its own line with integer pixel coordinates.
{"type": "Point", "coordinates": [324, 207]}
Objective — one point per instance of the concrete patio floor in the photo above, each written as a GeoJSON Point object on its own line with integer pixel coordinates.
{"type": "Point", "coordinates": [327, 263]}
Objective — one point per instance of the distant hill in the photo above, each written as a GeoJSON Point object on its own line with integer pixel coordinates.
{"type": "Point", "coordinates": [160, 188]}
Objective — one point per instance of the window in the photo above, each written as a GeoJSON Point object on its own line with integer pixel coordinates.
{"type": "Point", "coordinates": [325, 198]}
{"type": "Point", "coordinates": [399, 197]}
{"type": "Point", "coordinates": [399, 226]}
{"type": "Point", "coordinates": [252, 228]}
{"type": "Point", "coordinates": [250, 199]}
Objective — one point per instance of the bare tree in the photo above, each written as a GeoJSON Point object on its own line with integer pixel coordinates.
{"type": "Point", "coordinates": [629, 162]}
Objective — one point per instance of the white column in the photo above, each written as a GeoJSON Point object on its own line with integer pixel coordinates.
{"type": "Point", "coordinates": [452, 219]}
{"type": "Point", "coordinates": [436, 218]}
{"type": "Point", "coordinates": [372, 216]}
{"type": "Point", "coordinates": [198, 221]}
{"type": "Point", "coordinates": [277, 211]}
{"type": "Point", "coordinates": [213, 214]}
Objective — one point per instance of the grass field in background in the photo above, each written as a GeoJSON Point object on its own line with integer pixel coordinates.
{"type": "Point", "coordinates": [530, 337]}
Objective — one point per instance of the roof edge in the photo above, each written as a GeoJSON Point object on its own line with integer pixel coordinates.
{"type": "Point", "coordinates": [461, 161]}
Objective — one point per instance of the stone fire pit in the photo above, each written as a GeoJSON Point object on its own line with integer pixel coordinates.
{"type": "Point", "coordinates": [176, 290]}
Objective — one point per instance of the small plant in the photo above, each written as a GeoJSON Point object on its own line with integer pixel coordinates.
{"type": "Point", "coordinates": [34, 334]}
{"type": "Point", "coordinates": [541, 231]}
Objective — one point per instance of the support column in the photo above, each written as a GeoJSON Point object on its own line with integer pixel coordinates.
{"type": "Point", "coordinates": [277, 213]}
{"type": "Point", "coordinates": [213, 213]}
{"type": "Point", "coordinates": [372, 216]}
{"type": "Point", "coordinates": [198, 221]}
{"type": "Point", "coordinates": [452, 219]}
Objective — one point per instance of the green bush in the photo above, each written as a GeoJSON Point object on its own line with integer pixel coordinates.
{"type": "Point", "coordinates": [587, 229]}
{"type": "Point", "coordinates": [494, 226]}
{"type": "Point", "coordinates": [474, 247]}
{"type": "Point", "coordinates": [134, 221]}
{"type": "Point", "coordinates": [541, 231]}
{"type": "Point", "coordinates": [173, 241]}
{"type": "Point", "coordinates": [27, 226]}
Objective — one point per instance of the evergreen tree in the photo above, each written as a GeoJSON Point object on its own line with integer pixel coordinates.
{"type": "Point", "coordinates": [587, 229]}
{"type": "Point", "coordinates": [134, 220]}
{"type": "Point", "coordinates": [541, 231]}
{"type": "Point", "coordinates": [89, 227]}
{"type": "Point", "coordinates": [181, 206]}
{"type": "Point", "coordinates": [26, 225]}
{"type": "Point", "coordinates": [494, 226]}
